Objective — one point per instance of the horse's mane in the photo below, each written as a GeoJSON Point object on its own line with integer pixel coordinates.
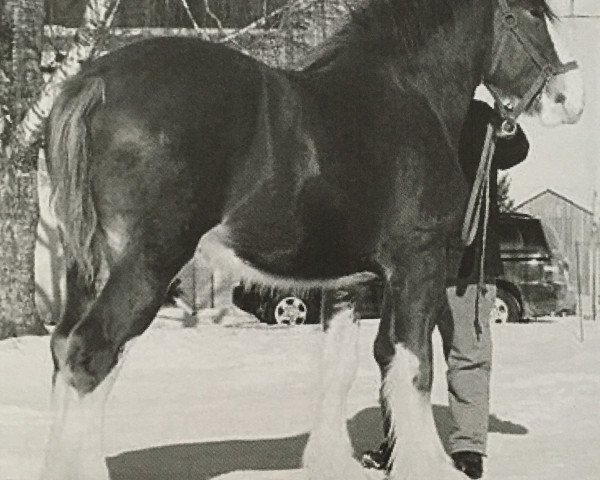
{"type": "Point", "coordinates": [382, 27]}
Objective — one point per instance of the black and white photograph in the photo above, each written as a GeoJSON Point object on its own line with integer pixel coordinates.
{"type": "Point", "coordinates": [299, 239]}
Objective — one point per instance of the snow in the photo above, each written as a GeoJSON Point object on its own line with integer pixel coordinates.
{"type": "Point", "coordinates": [235, 403]}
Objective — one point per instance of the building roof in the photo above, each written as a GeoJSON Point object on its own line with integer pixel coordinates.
{"type": "Point", "coordinates": [549, 191]}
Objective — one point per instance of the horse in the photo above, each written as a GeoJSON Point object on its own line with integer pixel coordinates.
{"type": "Point", "coordinates": [322, 177]}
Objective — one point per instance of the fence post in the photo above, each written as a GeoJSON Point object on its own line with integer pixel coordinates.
{"type": "Point", "coordinates": [594, 241]}
{"type": "Point", "coordinates": [581, 331]}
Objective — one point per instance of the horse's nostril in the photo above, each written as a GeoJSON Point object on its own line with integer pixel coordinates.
{"type": "Point", "coordinates": [560, 98]}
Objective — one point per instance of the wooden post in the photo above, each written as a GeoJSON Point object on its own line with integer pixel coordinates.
{"type": "Point", "coordinates": [581, 330]}
{"type": "Point", "coordinates": [594, 255]}
{"type": "Point", "coordinates": [593, 252]}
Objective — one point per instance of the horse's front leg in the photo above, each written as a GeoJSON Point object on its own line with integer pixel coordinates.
{"type": "Point", "coordinates": [328, 454]}
{"type": "Point", "coordinates": [413, 296]}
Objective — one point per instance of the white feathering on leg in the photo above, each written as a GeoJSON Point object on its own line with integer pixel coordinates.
{"type": "Point", "coordinates": [417, 452]}
{"type": "Point", "coordinates": [75, 445]}
{"type": "Point", "coordinates": [328, 454]}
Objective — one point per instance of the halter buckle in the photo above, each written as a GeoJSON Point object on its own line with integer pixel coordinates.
{"type": "Point", "coordinates": [508, 128]}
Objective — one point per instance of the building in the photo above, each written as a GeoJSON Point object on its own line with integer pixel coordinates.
{"type": "Point", "coordinates": [573, 225]}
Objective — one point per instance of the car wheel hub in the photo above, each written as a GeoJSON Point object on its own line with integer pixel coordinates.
{"type": "Point", "coordinates": [290, 311]}
{"type": "Point", "coordinates": [500, 311]}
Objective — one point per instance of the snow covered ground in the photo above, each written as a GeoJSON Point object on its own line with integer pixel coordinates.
{"type": "Point", "coordinates": [235, 403]}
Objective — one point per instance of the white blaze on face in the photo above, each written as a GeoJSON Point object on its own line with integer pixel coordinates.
{"type": "Point", "coordinates": [563, 98]}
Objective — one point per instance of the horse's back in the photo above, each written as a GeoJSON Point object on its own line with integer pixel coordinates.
{"type": "Point", "coordinates": [198, 94]}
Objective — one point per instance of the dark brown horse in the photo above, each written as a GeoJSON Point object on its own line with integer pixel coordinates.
{"type": "Point", "coordinates": [318, 178]}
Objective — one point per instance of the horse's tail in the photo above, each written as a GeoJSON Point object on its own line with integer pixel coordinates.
{"type": "Point", "coordinates": [68, 165]}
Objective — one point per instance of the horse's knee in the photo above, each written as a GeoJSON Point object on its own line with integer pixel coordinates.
{"type": "Point", "coordinates": [418, 365]}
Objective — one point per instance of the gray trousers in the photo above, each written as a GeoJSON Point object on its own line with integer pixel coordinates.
{"type": "Point", "coordinates": [469, 362]}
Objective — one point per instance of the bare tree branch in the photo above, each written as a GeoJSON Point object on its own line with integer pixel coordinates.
{"type": "Point", "coordinates": [212, 15]}
{"type": "Point", "coordinates": [190, 16]}
{"type": "Point", "coordinates": [301, 4]}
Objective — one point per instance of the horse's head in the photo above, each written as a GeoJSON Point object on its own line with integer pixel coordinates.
{"type": "Point", "coordinates": [530, 69]}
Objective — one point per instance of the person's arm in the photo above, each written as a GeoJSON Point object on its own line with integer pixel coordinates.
{"type": "Point", "coordinates": [474, 129]}
{"type": "Point", "coordinates": [510, 151]}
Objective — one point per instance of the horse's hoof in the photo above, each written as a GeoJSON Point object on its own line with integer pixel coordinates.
{"type": "Point", "coordinates": [419, 467]}
{"type": "Point", "coordinates": [350, 470]}
{"type": "Point", "coordinates": [332, 463]}
{"type": "Point", "coordinates": [470, 463]}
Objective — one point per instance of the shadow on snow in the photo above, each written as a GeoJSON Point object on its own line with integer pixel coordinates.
{"type": "Point", "coordinates": [203, 461]}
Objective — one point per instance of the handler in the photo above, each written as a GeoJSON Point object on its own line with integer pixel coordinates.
{"type": "Point", "coordinates": [467, 343]}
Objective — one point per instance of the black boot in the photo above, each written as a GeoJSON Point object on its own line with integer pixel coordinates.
{"type": "Point", "coordinates": [470, 463]}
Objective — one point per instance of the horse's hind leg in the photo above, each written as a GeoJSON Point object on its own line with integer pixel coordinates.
{"type": "Point", "coordinates": [79, 296]}
{"type": "Point", "coordinates": [72, 436]}
{"type": "Point", "coordinates": [328, 454]}
{"type": "Point", "coordinates": [75, 446]}
{"type": "Point", "coordinates": [86, 363]}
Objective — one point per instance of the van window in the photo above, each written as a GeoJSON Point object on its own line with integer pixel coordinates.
{"type": "Point", "coordinates": [525, 235]}
{"type": "Point", "coordinates": [510, 237]}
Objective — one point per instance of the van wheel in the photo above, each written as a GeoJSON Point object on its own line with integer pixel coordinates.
{"type": "Point", "coordinates": [506, 308]}
{"type": "Point", "coordinates": [290, 311]}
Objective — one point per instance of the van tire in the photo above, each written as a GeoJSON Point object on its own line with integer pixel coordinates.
{"type": "Point", "coordinates": [506, 301]}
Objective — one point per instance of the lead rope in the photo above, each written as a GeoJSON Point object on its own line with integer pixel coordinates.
{"type": "Point", "coordinates": [481, 290]}
{"type": "Point", "coordinates": [479, 194]}
{"type": "Point", "coordinates": [473, 212]}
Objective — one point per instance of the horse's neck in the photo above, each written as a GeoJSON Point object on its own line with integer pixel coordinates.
{"type": "Point", "coordinates": [445, 70]}
{"type": "Point", "coordinates": [450, 66]}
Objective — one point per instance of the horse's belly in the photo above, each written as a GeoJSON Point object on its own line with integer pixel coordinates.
{"type": "Point", "coordinates": [282, 270]}
{"type": "Point", "coordinates": [306, 234]}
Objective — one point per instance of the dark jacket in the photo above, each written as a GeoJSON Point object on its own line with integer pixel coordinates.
{"type": "Point", "coordinates": [509, 152]}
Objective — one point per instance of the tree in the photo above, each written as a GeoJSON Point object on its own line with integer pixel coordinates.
{"type": "Point", "coordinates": [18, 193]}
{"type": "Point", "coordinates": [505, 203]}
{"type": "Point", "coordinates": [22, 23]}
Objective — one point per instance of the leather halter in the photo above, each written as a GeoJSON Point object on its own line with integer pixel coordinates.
{"type": "Point", "coordinates": [547, 69]}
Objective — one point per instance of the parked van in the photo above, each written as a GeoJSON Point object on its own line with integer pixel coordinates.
{"type": "Point", "coordinates": [536, 279]}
